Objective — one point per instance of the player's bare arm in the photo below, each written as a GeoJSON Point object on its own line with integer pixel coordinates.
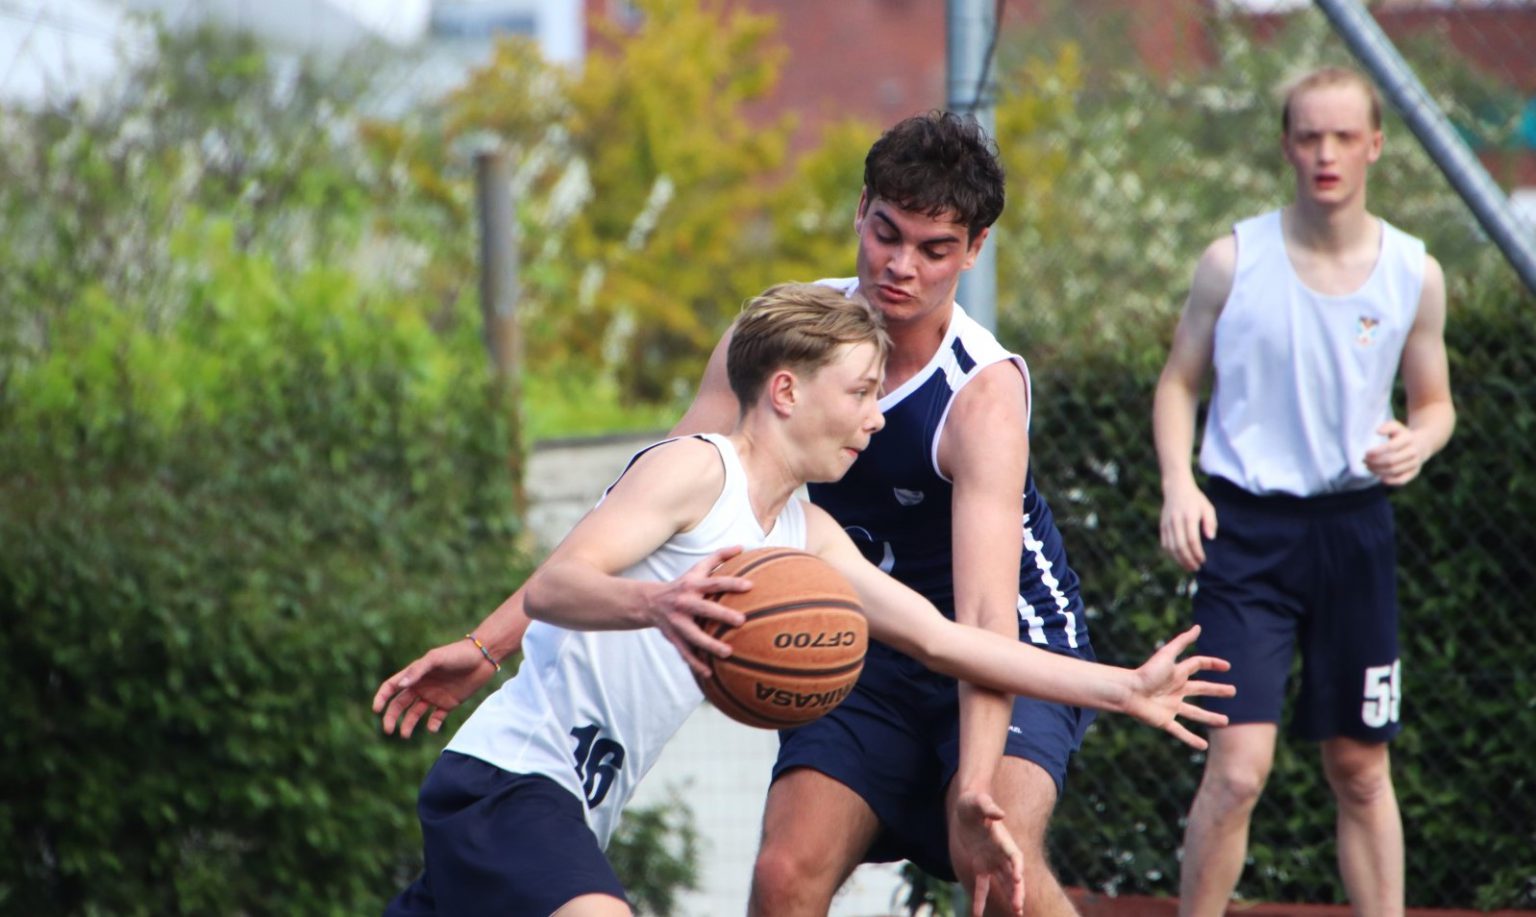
{"type": "Point", "coordinates": [984, 451]}
{"type": "Point", "coordinates": [1187, 514]}
{"type": "Point", "coordinates": [436, 683]}
{"type": "Point", "coordinates": [668, 490]}
{"type": "Point", "coordinates": [1427, 385]}
{"type": "Point", "coordinates": [1154, 693]}
{"type": "Point", "coordinates": [714, 408]}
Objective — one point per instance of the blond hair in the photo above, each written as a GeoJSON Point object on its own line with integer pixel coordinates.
{"type": "Point", "coordinates": [1326, 77]}
{"type": "Point", "coordinates": [798, 326]}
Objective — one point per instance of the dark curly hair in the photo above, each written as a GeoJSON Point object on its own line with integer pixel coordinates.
{"type": "Point", "coordinates": [937, 163]}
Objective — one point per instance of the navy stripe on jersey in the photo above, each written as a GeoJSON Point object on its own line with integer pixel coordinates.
{"type": "Point", "coordinates": [961, 357]}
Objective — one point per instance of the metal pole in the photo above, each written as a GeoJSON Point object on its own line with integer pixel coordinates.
{"type": "Point", "coordinates": [971, 90]}
{"type": "Point", "coordinates": [1488, 203]}
{"type": "Point", "coordinates": [499, 293]}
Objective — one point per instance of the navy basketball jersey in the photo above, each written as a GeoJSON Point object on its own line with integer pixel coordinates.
{"type": "Point", "coordinates": [897, 506]}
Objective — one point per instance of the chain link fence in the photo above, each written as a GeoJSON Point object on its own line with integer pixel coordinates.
{"type": "Point", "coordinates": [1135, 134]}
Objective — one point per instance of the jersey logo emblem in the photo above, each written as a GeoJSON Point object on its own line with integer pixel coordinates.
{"type": "Point", "coordinates": [907, 497]}
{"type": "Point", "coordinates": [1365, 330]}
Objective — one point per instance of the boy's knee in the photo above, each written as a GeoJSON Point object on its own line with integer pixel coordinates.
{"type": "Point", "coordinates": [783, 880]}
{"type": "Point", "coordinates": [1235, 786]}
{"type": "Point", "coordinates": [1359, 773]}
{"type": "Point", "coordinates": [1360, 786]}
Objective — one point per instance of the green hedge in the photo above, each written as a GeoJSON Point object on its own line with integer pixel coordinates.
{"type": "Point", "coordinates": [221, 530]}
{"type": "Point", "coordinates": [1467, 539]}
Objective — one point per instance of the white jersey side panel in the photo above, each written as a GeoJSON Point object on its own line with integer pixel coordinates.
{"type": "Point", "coordinates": [1303, 379]}
{"type": "Point", "coordinates": [592, 710]}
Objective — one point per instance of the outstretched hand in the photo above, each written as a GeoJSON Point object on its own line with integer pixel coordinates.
{"type": "Point", "coordinates": [431, 686]}
{"type": "Point", "coordinates": [983, 843]}
{"type": "Point", "coordinates": [1163, 682]}
{"type": "Point", "coordinates": [682, 608]}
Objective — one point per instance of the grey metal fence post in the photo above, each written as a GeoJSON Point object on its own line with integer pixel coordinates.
{"type": "Point", "coordinates": [969, 29]}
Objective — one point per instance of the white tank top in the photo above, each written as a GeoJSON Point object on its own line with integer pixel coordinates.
{"type": "Point", "coordinates": [592, 710]}
{"type": "Point", "coordinates": [1302, 379]}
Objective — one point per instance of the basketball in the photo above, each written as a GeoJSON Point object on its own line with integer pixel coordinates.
{"type": "Point", "coordinates": [801, 648]}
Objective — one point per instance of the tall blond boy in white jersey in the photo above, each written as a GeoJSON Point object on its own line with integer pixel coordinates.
{"type": "Point", "coordinates": [516, 812]}
{"type": "Point", "coordinates": [1305, 315]}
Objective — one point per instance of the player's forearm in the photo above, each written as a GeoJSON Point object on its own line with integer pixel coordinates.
{"type": "Point", "coordinates": [578, 596]}
{"type": "Point", "coordinates": [502, 630]}
{"type": "Point", "coordinates": [984, 718]}
{"type": "Point", "coordinates": [1006, 665]}
{"type": "Point", "coordinates": [1173, 430]}
{"type": "Point", "coordinates": [984, 713]}
{"type": "Point", "coordinates": [1433, 423]}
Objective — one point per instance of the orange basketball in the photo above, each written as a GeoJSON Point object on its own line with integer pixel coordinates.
{"type": "Point", "coordinates": [801, 648]}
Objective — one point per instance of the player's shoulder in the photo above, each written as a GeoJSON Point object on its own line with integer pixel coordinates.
{"type": "Point", "coordinates": [686, 462]}
{"type": "Point", "coordinates": [1220, 255]}
{"type": "Point", "coordinates": [1434, 274]}
{"type": "Point", "coordinates": [1000, 381]}
{"type": "Point", "coordinates": [1215, 274]}
{"type": "Point", "coordinates": [989, 417]}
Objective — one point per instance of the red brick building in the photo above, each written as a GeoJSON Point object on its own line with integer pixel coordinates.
{"type": "Point", "coordinates": [882, 60]}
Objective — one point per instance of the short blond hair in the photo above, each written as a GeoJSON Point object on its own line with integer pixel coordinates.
{"type": "Point", "coordinates": [1324, 77]}
{"type": "Point", "coordinates": [798, 326]}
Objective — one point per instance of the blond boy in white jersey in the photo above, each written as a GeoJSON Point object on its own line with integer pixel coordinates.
{"type": "Point", "coordinates": [1306, 316]}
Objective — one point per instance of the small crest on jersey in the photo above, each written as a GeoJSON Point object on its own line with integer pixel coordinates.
{"type": "Point", "coordinates": [1365, 330]}
{"type": "Point", "coordinates": [907, 497]}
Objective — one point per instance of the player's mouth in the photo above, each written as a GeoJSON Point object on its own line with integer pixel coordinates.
{"type": "Point", "coordinates": [1326, 182]}
{"type": "Point", "coordinates": [893, 294]}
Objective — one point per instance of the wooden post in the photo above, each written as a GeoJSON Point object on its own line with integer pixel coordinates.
{"type": "Point", "coordinates": [499, 293]}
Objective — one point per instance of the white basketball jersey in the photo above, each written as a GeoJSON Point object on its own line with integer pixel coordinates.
{"type": "Point", "coordinates": [592, 710]}
{"type": "Point", "coordinates": [1303, 379]}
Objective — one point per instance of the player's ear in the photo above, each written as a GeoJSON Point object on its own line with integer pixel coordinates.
{"type": "Point", "coordinates": [973, 250]}
{"type": "Point", "coordinates": [858, 214]}
{"type": "Point", "coordinates": [783, 392]}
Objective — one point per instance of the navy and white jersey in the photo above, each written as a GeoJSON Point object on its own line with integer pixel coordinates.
{"type": "Point", "coordinates": [1303, 379]}
{"type": "Point", "coordinates": [896, 504]}
{"type": "Point", "coordinates": [591, 710]}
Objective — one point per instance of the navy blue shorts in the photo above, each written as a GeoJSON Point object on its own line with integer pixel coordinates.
{"type": "Point", "coordinates": [501, 843]}
{"type": "Point", "coordinates": [1317, 571]}
{"type": "Point", "coordinates": [895, 741]}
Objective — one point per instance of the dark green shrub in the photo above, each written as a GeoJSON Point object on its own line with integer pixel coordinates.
{"type": "Point", "coordinates": [220, 533]}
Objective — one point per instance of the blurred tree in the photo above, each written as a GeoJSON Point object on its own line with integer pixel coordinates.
{"type": "Point", "coordinates": [1139, 174]}
{"type": "Point", "coordinates": [651, 206]}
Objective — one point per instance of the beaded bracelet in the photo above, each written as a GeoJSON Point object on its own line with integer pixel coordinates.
{"type": "Point", "coordinates": [483, 651]}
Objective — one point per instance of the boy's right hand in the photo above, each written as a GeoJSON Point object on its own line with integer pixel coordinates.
{"type": "Point", "coordinates": [431, 686]}
{"type": "Point", "coordinates": [682, 608]}
{"type": "Point", "coordinates": [1188, 519]}
{"type": "Point", "coordinates": [1164, 681]}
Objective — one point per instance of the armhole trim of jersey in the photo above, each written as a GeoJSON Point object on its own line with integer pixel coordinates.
{"type": "Point", "coordinates": [938, 431]}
